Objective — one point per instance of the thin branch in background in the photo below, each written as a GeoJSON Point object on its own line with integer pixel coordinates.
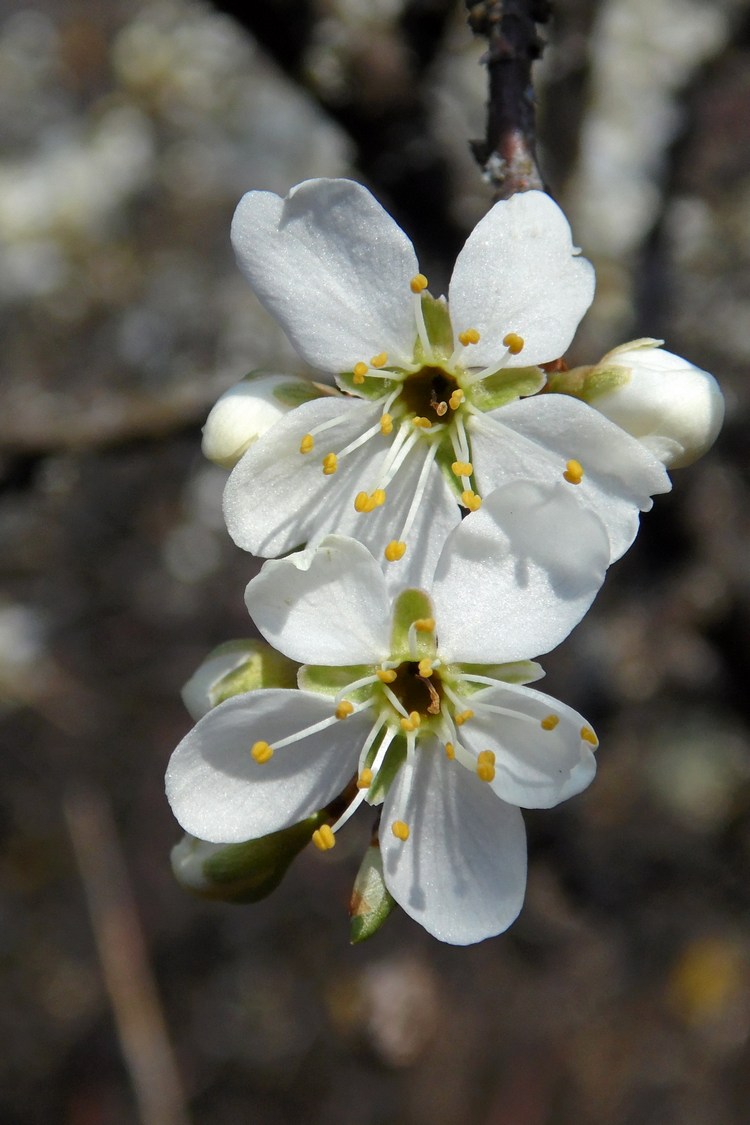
{"type": "Point", "coordinates": [124, 959]}
{"type": "Point", "coordinates": [507, 156]}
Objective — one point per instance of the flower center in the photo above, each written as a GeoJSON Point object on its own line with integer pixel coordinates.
{"type": "Point", "coordinates": [428, 392]}
{"type": "Point", "coordinates": [415, 691]}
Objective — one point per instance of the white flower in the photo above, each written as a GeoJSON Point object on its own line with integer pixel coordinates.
{"type": "Point", "coordinates": [418, 704]}
{"type": "Point", "coordinates": [674, 408]}
{"type": "Point", "coordinates": [438, 416]}
{"type": "Point", "coordinates": [247, 410]}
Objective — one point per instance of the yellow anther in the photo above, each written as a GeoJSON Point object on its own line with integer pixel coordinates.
{"type": "Point", "coordinates": [422, 423]}
{"type": "Point", "coordinates": [379, 360]}
{"type": "Point", "coordinates": [364, 781]}
{"type": "Point", "coordinates": [462, 468]}
{"type": "Point", "coordinates": [307, 444]}
{"type": "Point", "coordinates": [359, 371]}
{"type": "Point", "coordinates": [395, 550]}
{"type": "Point", "coordinates": [418, 283]}
{"type": "Point", "coordinates": [514, 343]}
{"type": "Point", "coordinates": [330, 464]}
{"type": "Point", "coordinates": [378, 497]}
{"type": "Point", "coordinates": [358, 379]}
{"type": "Point", "coordinates": [400, 830]}
{"type": "Point", "coordinates": [470, 500]}
{"type": "Point", "coordinates": [470, 336]}
{"type": "Point", "coordinates": [413, 722]}
{"type": "Point", "coordinates": [387, 675]}
{"type": "Point", "coordinates": [344, 709]}
{"type": "Point", "coordinates": [573, 472]}
{"type": "Point", "coordinates": [441, 409]}
{"type": "Point", "coordinates": [425, 667]}
{"type": "Point", "coordinates": [588, 736]}
{"type": "Point", "coordinates": [456, 399]}
{"type": "Point", "coordinates": [463, 717]}
{"type": "Point", "coordinates": [486, 766]}
{"type": "Point", "coordinates": [386, 425]}
{"type": "Point", "coordinates": [450, 751]}
{"type": "Point", "coordinates": [425, 624]}
{"type": "Point", "coordinates": [362, 502]}
{"type": "Point", "coordinates": [262, 752]}
{"type": "Point", "coordinates": [323, 838]}
{"type": "Point", "coordinates": [550, 722]}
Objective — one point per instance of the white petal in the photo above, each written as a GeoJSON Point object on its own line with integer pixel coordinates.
{"type": "Point", "coordinates": [333, 268]}
{"type": "Point", "coordinates": [536, 437]}
{"type": "Point", "coordinates": [326, 605]}
{"type": "Point", "coordinates": [462, 872]}
{"type": "Point", "coordinates": [277, 498]}
{"type": "Point", "coordinates": [518, 574]}
{"type": "Point", "coordinates": [535, 768]}
{"type": "Point", "coordinates": [518, 273]}
{"type": "Point", "coordinates": [219, 793]}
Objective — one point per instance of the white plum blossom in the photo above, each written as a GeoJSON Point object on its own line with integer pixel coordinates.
{"type": "Point", "coordinates": [442, 402]}
{"type": "Point", "coordinates": [417, 703]}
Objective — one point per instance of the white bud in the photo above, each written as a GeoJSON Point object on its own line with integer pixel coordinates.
{"type": "Point", "coordinates": [246, 411]}
{"type": "Point", "coordinates": [674, 408]}
{"type": "Point", "coordinates": [235, 667]}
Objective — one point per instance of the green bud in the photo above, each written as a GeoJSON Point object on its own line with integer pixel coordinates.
{"type": "Point", "coordinates": [371, 901]}
{"type": "Point", "coordinates": [233, 668]}
{"type": "Point", "coordinates": [246, 872]}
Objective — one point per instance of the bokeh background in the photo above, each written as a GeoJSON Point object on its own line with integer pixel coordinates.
{"type": "Point", "coordinates": [622, 995]}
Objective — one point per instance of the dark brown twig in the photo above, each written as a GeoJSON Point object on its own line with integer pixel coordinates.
{"type": "Point", "coordinates": [508, 154]}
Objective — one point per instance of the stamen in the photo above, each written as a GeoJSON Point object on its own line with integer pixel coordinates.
{"type": "Point", "coordinates": [387, 675]}
{"type": "Point", "coordinates": [421, 625]}
{"type": "Point", "coordinates": [471, 336]}
{"type": "Point", "coordinates": [588, 736]}
{"type": "Point", "coordinates": [400, 830]}
{"type": "Point", "coordinates": [323, 838]}
{"type": "Point", "coordinates": [418, 283]}
{"type": "Point", "coordinates": [463, 717]}
{"type": "Point", "coordinates": [307, 444]}
{"type": "Point", "coordinates": [386, 425]}
{"type": "Point", "coordinates": [573, 472]}
{"type": "Point", "coordinates": [330, 464]}
{"type": "Point", "coordinates": [395, 550]}
{"type": "Point", "coordinates": [373, 769]}
{"type": "Point", "coordinates": [344, 709]}
{"type": "Point", "coordinates": [378, 497]}
{"type": "Point", "coordinates": [362, 502]}
{"type": "Point", "coordinates": [314, 729]}
{"type": "Point", "coordinates": [379, 360]}
{"type": "Point", "coordinates": [450, 751]}
{"type": "Point", "coordinates": [359, 372]}
{"type": "Point", "coordinates": [262, 752]}
{"type": "Point", "coordinates": [514, 343]}
{"type": "Point", "coordinates": [412, 722]}
{"type": "Point", "coordinates": [419, 491]}
{"type": "Point", "coordinates": [550, 722]}
{"type": "Point", "coordinates": [471, 500]}
{"type": "Point", "coordinates": [425, 667]}
{"type": "Point", "coordinates": [459, 440]}
{"type": "Point", "coordinates": [364, 781]}
{"type": "Point", "coordinates": [422, 423]}
{"type": "Point", "coordinates": [486, 765]}
{"type": "Point", "coordinates": [462, 468]}
{"type": "Point", "coordinates": [456, 399]}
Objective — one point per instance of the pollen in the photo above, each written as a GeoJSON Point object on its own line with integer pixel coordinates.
{"type": "Point", "coordinates": [418, 283]}
{"type": "Point", "coordinates": [386, 675]}
{"type": "Point", "coordinates": [450, 751]}
{"type": "Point", "coordinates": [470, 500]}
{"type": "Point", "coordinates": [330, 464]}
{"type": "Point", "coordinates": [514, 343]}
{"type": "Point", "coordinates": [395, 550]}
{"type": "Point", "coordinates": [379, 360]}
{"type": "Point", "coordinates": [400, 830]}
{"type": "Point", "coordinates": [359, 372]}
{"type": "Point", "coordinates": [323, 838]}
{"type": "Point", "coordinates": [573, 472]}
{"type": "Point", "coordinates": [550, 722]}
{"type": "Point", "coordinates": [362, 502]}
{"type": "Point", "coordinates": [262, 752]}
{"type": "Point", "coordinates": [344, 709]}
{"type": "Point", "coordinates": [486, 766]}
{"type": "Point", "coordinates": [470, 336]}
{"type": "Point", "coordinates": [425, 624]}
{"type": "Point", "coordinates": [378, 497]}
{"type": "Point", "coordinates": [364, 781]}
{"type": "Point", "coordinates": [412, 723]}
{"type": "Point", "coordinates": [386, 425]}
{"type": "Point", "coordinates": [422, 423]}
{"type": "Point", "coordinates": [425, 667]}
{"type": "Point", "coordinates": [456, 399]}
{"type": "Point", "coordinates": [462, 468]}
{"type": "Point", "coordinates": [588, 736]}
{"type": "Point", "coordinates": [463, 717]}
{"type": "Point", "coordinates": [307, 444]}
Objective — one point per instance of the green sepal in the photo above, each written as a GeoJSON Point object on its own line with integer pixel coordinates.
{"type": "Point", "coordinates": [437, 321]}
{"type": "Point", "coordinates": [331, 681]}
{"type": "Point", "coordinates": [588, 383]}
{"type": "Point", "coordinates": [296, 392]}
{"type": "Point", "coordinates": [411, 606]}
{"type": "Point", "coordinates": [516, 672]}
{"type": "Point", "coordinates": [370, 389]}
{"type": "Point", "coordinates": [241, 873]}
{"type": "Point", "coordinates": [371, 902]}
{"type": "Point", "coordinates": [505, 386]}
{"type": "Point", "coordinates": [263, 668]}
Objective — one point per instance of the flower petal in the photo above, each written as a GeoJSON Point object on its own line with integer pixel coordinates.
{"type": "Point", "coordinates": [518, 574]}
{"type": "Point", "coordinates": [219, 793]}
{"type": "Point", "coordinates": [326, 605]}
{"type": "Point", "coordinates": [462, 872]}
{"type": "Point", "coordinates": [333, 268]}
{"type": "Point", "coordinates": [535, 768]}
{"type": "Point", "coordinates": [536, 437]}
{"type": "Point", "coordinates": [518, 273]}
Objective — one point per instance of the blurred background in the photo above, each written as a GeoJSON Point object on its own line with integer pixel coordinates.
{"type": "Point", "coordinates": [622, 995]}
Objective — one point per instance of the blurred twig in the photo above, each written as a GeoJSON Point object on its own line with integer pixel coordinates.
{"type": "Point", "coordinates": [507, 156]}
{"type": "Point", "coordinates": [124, 960]}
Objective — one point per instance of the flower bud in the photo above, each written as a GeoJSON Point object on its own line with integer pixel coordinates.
{"type": "Point", "coordinates": [235, 667]}
{"type": "Point", "coordinates": [371, 902]}
{"type": "Point", "coordinates": [670, 406]}
{"type": "Point", "coordinates": [247, 410]}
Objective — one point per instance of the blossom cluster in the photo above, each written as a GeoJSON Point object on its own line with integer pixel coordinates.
{"type": "Point", "coordinates": [447, 495]}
